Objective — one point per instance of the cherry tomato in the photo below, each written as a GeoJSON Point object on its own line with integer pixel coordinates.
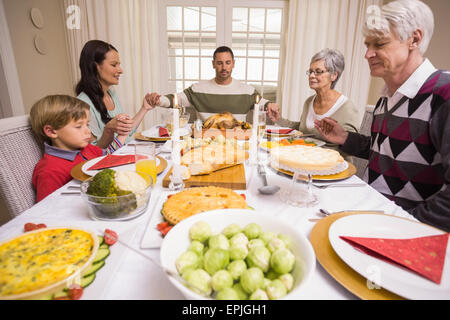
{"type": "Point", "coordinates": [110, 237]}
{"type": "Point", "coordinates": [166, 230]}
{"type": "Point", "coordinates": [32, 226]}
{"type": "Point", "coordinates": [162, 225]}
{"type": "Point", "coordinates": [243, 196]}
{"type": "Point", "coordinates": [75, 292]}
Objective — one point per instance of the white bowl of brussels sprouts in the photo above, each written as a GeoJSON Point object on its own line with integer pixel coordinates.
{"type": "Point", "coordinates": [232, 254]}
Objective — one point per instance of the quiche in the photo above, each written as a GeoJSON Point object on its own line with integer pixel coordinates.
{"type": "Point", "coordinates": [195, 200]}
{"type": "Point", "coordinates": [314, 159]}
{"type": "Point", "coordinates": [45, 259]}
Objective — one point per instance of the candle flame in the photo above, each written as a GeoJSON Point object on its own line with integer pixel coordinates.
{"type": "Point", "coordinates": [257, 99]}
{"type": "Point", "coordinates": [175, 101]}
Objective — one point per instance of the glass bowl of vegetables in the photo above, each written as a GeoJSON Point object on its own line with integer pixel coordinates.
{"type": "Point", "coordinates": [117, 195]}
{"type": "Point", "coordinates": [235, 254]}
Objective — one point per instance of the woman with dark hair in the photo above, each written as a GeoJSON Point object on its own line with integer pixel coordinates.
{"type": "Point", "coordinates": [100, 69]}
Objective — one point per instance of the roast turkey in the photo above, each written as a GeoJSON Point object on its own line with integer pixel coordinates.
{"type": "Point", "coordinates": [224, 120]}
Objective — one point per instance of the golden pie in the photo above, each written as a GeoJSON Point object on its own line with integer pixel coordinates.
{"type": "Point", "coordinates": [40, 259]}
{"type": "Point", "coordinates": [195, 200]}
{"type": "Point", "coordinates": [307, 158]}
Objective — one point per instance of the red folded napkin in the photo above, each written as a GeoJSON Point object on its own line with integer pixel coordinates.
{"type": "Point", "coordinates": [279, 131]}
{"type": "Point", "coordinates": [113, 161]}
{"type": "Point", "coordinates": [424, 255]}
{"type": "Point", "coordinates": [163, 132]}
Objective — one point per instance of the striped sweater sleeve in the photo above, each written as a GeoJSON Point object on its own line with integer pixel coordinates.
{"type": "Point", "coordinates": [115, 145]}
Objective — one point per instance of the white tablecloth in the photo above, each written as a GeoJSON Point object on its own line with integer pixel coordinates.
{"type": "Point", "coordinates": [128, 275]}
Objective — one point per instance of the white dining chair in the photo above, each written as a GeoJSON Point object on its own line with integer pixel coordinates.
{"type": "Point", "coordinates": [361, 164]}
{"type": "Point", "coordinates": [19, 153]}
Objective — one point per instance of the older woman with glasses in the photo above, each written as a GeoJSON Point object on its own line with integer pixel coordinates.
{"type": "Point", "coordinates": [325, 69]}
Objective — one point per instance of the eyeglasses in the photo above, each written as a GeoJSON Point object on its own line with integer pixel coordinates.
{"type": "Point", "coordinates": [316, 72]}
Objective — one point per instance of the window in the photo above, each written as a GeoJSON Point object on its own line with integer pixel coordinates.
{"type": "Point", "coordinates": [194, 29]}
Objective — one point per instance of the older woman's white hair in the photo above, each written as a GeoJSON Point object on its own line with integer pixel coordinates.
{"type": "Point", "coordinates": [401, 17]}
{"type": "Point", "coordinates": [334, 62]}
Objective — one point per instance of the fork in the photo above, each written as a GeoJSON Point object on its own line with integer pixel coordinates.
{"type": "Point", "coordinates": [339, 185]}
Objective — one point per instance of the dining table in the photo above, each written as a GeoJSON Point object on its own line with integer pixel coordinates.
{"type": "Point", "coordinates": [130, 273]}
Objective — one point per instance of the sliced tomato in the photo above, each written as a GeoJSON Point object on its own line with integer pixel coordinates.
{"type": "Point", "coordinates": [243, 196]}
{"type": "Point", "coordinates": [162, 225]}
{"type": "Point", "coordinates": [33, 226]}
{"type": "Point", "coordinates": [75, 292]}
{"type": "Point", "coordinates": [29, 226]}
{"type": "Point", "coordinates": [166, 230]}
{"type": "Point", "coordinates": [110, 237]}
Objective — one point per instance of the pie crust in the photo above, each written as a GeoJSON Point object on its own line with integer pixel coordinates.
{"type": "Point", "coordinates": [195, 200]}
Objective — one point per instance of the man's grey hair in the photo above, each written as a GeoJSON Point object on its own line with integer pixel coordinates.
{"type": "Point", "coordinates": [401, 17]}
{"type": "Point", "coordinates": [334, 62]}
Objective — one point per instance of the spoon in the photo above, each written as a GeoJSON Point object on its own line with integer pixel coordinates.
{"type": "Point", "coordinates": [266, 189]}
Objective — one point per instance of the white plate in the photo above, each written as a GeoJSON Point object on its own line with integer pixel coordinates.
{"type": "Point", "coordinates": [154, 132]}
{"type": "Point", "coordinates": [396, 279]}
{"type": "Point", "coordinates": [125, 167]}
{"type": "Point", "coordinates": [104, 277]}
{"type": "Point", "coordinates": [270, 127]}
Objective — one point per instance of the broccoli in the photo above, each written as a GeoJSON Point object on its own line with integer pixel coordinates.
{"type": "Point", "coordinates": [104, 185]}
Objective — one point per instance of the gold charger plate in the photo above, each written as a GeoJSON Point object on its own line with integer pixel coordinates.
{"type": "Point", "coordinates": [79, 175]}
{"type": "Point", "coordinates": [347, 173]}
{"type": "Point", "coordinates": [139, 136]}
{"type": "Point", "coordinates": [337, 268]}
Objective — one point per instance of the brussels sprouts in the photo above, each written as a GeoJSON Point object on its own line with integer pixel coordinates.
{"type": "Point", "coordinates": [266, 283]}
{"type": "Point", "coordinates": [227, 294]}
{"type": "Point", "coordinates": [288, 281]}
{"type": "Point", "coordinates": [200, 280]}
{"type": "Point", "coordinates": [282, 261]}
{"type": "Point", "coordinates": [221, 279]}
{"type": "Point", "coordinates": [239, 239]}
{"type": "Point", "coordinates": [259, 257]}
{"type": "Point", "coordinates": [236, 268]}
{"type": "Point", "coordinates": [276, 243]}
{"type": "Point", "coordinates": [219, 241]}
{"type": "Point", "coordinates": [215, 259]}
{"type": "Point", "coordinates": [255, 243]}
{"type": "Point", "coordinates": [186, 273]}
{"type": "Point", "coordinates": [252, 279]}
{"type": "Point", "coordinates": [197, 247]}
{"type": "Point", "coordinates": [276, 289]}
{"type": "Point", "coordinates": [286, 239]}
{"type": "Point", "coordinates": [259, 294]}
{"type": "Point", "coordinates": [266, 236]}
{"type": "Point", "coordinates": [240, 291]}
{"type": "Point", "coordinates": [252, 230]}
{"type": "Point", "coordinates": [200, 231]}
{"type": "Point", "coordinates": [272, 275]}
{"type": "Point", "coordinates": [238, 252]}
{"type": "Point", "coordinates": [187, 260]}
{"type": "Point", "coordinates": [231, 230]}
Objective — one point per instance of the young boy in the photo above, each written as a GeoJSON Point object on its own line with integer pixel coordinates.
{"type": "Point", "coordinates": [61, 122]}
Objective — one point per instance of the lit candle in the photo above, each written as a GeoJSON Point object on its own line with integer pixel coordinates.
{"type": "Point", "coordinates": [254, 141]}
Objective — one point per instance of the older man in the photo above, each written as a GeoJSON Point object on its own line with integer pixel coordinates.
{"type": "Point", "coordinates": [409, 146]}
{"type": "Point", "coordinates": [220, 94]}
